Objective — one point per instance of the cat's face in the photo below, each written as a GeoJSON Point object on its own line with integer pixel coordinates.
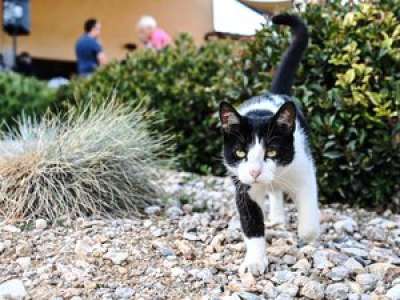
{"type": "Point", "coordinates": [258, 144]}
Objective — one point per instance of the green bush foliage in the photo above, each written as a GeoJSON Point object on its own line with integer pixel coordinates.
{"type": "Point", "coordinates": [22, 94]}
{"type": "Point", "coordinates": [348, 86]}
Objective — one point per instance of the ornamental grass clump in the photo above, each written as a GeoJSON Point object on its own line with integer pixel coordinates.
{"type": "Point", "coordinates": [101, 161]}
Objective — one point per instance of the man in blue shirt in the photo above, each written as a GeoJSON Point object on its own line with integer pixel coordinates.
{"type": "Point", "coordinates": [89, 52]}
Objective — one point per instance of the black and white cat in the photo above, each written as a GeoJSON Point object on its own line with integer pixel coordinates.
{"type": "Point", "coordinates": [267, 153]}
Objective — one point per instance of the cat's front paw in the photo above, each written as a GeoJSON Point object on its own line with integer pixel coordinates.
{"type": "Point", "coordinates": [309, 232]}
{"type": "Point", "coordinates": [254, 265]}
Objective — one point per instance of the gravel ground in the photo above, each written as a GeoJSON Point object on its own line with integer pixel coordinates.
{"type": "Point", "coordinates": [193, 251]}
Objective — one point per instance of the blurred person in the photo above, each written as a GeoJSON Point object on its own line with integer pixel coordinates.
{"type": "Point", "coordinates": [152, 36]}
{"type": "Point", "coordinates": [89, 52]}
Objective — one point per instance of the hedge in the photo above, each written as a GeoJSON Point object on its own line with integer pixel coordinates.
{"type": "Point", "coordinates": [20, 94]}
{"type": "Point", "coordinates": [348, 85]}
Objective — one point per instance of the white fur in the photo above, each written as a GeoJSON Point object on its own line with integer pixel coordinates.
{"type": "Point", "coordinates": [255, 260]}
{"type": "Point", "coordinates": [298, 179]}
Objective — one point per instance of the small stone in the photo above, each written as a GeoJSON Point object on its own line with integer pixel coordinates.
{"type": "Point", "coordinates": [24, 262]}
{"type": "Point", "coordinates": [76, 298]}
{"type": "Point", "coordinates": [177, 272]}
{"type": "Point", "coordinates": [2, 247]}
{"type": "Point", "coordinates": [174, 212]}
{"type": "Point", "coordinates": [117, 257]}
{"type": "Point", "coordinates": [354, 296]}
{"type": "Point", "coordinates": [337, 291]}
{"type": "Point", "coordinates": [347, 225]}
{"type": "Point", "coordinates": [84, 248]}
{"type": "Point", "coordinates": [313, 290]}
{"type": "Point", "coordinates": [152, 210]}
{"type": "Point", "coordinates": [289, 259]}
{"type": "Point", "coordinates": [40, 224]}
{"type": "Point", "coordinates": [248, 280]}
{"type": "Point", "coordinates": [321, 261]}
{"type": "Point", "coordinates": [246, 296]}
{"type": "Point", "coordinates": [12, 229]}
{"type": "Point", "coordinates": [23, 249]}
{"type": "Point", "coordinates": [375, 233]}
{"type": "Point", "coordinates": [354, 266]}
{"type": "Point", "coordinates": [394, 293]}
{"type": "Point", "coordinates": [289, 289]}
{"type": "Point", "coordinates": [283, 276]}
{"type": "Point", "coordinates": [190, 236]}
{"type": "Point", "coordinates": [380, 269]}
{"type": "Point", "coordinates": [124, 292]}
{"type": "Point", "coordinates": [302, 265]}
{"type": "Point", "coordinates": [367, 281]}
{"type": "Point", "coordinates": [355, 252]}
{"type": "Point", "coordinates": [184, 248]}
{"type": "Point", "coordinates": [284, 297]}
{"type": "Point", "coordinates": [205, 275]}
{"type": "Point", "coordinates": [12, 289]}
{"type": "Point", "coordinates": [164, 250]}
{"type": "Point", "coordinates": [338, 273]}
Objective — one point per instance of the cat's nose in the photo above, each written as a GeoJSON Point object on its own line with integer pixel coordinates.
{"type": "Point", "coordinates": [255, 173]}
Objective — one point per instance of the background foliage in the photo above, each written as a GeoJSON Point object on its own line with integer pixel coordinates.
{"type": "Point", "coordinates": [348, 86]}
{"type": "Point", "coordinates": [22, 94]}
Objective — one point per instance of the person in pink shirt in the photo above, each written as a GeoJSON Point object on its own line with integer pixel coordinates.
{"type": "Point", "coordinates": [152, 36]}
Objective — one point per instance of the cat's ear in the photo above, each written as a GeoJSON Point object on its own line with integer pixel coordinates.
{"type": "Point", "coordinates": [228, 115]}
{"type": "Point", "coordinates": [286, 116]}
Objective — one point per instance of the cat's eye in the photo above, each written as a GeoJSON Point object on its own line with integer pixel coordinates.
{"type": "Point", "coordinates": [240, 154]}
{"type": "Point", "coordinates": [271, 153]}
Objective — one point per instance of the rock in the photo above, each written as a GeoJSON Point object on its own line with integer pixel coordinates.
{"type": "Point", "coordinates": [152, 210]}
{"type": "Point", "coordinates": [367, 281]}
{"type": "Point", "coordinates": [11, 228]}
{"type": "Point", "coordinates": [84, 248]}
{"type": "Point", "coordinates": [178, 272]}
{"type": "Point", "coordinates": [217, 241]}
{"type": "Point", "coordinates": [289, 259]}
{"type": "Point", "coordinates": [246, 296]}
{"type": "Point", "coordinates": [164, 249]}
{"type": "Point", "coordinates": [282, 276]}
{"type": "Point", "coordinates": [321, 261]}
{"type": "Point", "coordinates": [380, 269]}
{"type": "Point", "coordinates": [12, 289]}
{"type": "Point", "coordinates": [205, 275]}
{"type": "Point", "coordinates": [185, 248]}
{"type": "Point", "coordinates": [117, 257]}
{"type": "Point", "coordinates": [347, 225]}
{"type": "Point", "coordinates": [174, 212]}
{"type": "Point", "coordinates": [124, 293]}
{"type": "Point", "coordinates": [23, 249]}
{"type": "Point", "coordinates": [375, 233]}
{"type": "Point", "coordinates": [248, 280]}
{"type": "Point", "coordinates": [313, 290]}
{"type": "Point", "coordinates": [40, 224]}
{"type": "Point", "coordinates": [302, 265]}
{"type": "Point", "coordinates": [2, 247]}
{"type": "Point", "coordinates": [337, 291]}
{"type": "Point", "coordinates": [24, 262]}
{"type": "Point", "coordinates": [270, 291]}
{"type": "Point", "coordinates": [354, 266]}
{"type": "Point", "coordinates": [338, 273]}
{"type": "Point", "coordinates": [394, 293]}
{"type": "Point", "coordinates": [190, 236]}
{"type": "Point", "coordinates": [355, 252]}
{"type": "Point", "coordinates": [284, 297]}
{"type": "Point", "coordinates": [289, 289]}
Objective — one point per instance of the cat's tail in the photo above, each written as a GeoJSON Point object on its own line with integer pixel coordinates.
{"type": "Point", "coordinates": [284, 76]}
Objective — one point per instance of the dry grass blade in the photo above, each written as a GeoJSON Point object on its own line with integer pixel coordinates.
{"type": "Point", "coordinates": [98, 162]}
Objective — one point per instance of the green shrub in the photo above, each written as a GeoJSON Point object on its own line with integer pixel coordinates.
{"type": "Point", "coordinates": [348, 85]}
{"type": "Point", "coordinates": [22, 94]}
